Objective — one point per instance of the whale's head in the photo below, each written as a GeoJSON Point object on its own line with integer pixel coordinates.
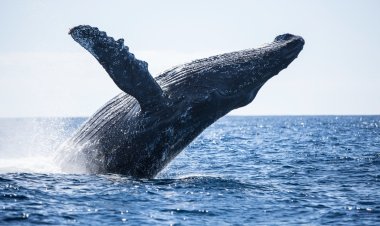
{"type": "Point", "coordinates": [231, 80]}
{"type": "Point", "coordinates": [244, 73]}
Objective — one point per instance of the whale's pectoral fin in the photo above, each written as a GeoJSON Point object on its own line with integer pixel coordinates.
{"type": "Point", "coordinates": [130, 74]}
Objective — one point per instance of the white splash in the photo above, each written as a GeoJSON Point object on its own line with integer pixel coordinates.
{"type": "Point", "coordinates": [28, 145]}
{"type": "Point", "coordinates": [36, 164]}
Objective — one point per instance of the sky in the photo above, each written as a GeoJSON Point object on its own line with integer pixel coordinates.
{"type": "Point", "coordinates": [44, 73]}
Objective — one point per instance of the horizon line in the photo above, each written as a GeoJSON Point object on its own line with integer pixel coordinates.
{"type": "Point", "coordinates": [233, 115]}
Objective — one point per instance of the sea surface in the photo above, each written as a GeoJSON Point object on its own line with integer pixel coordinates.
{"type": "Point", "coordinates": [298, 170]}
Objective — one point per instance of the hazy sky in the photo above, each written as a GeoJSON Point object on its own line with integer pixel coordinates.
{"type": "Point", "coordinates": [43, 72]}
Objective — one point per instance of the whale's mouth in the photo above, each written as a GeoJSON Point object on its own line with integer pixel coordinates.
{"type": "Point", "coordinates": [293, 53]}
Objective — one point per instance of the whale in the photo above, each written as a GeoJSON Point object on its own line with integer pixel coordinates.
{"type": "Point", "coordinates": [138, 132]}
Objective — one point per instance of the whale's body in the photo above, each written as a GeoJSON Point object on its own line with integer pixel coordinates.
{"type": "Point", "coordinates": [138, 132]}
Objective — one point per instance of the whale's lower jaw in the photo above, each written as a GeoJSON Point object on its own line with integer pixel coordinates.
{"type": "Point", "coordinates": [138, 132]}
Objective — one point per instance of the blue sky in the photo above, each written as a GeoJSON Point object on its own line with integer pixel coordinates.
{"type": "Point", "coordinates": [43, 72]}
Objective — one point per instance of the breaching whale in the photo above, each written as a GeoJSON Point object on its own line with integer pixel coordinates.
{"type": "Point", "coordinates": [138, 132]}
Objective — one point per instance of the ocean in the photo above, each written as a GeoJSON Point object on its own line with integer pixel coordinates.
{"type": "Point", "coordinates": [277, 170]}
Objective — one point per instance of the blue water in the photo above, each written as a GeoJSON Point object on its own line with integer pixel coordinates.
{"type": "Point", "coordinates": [241, 170]}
